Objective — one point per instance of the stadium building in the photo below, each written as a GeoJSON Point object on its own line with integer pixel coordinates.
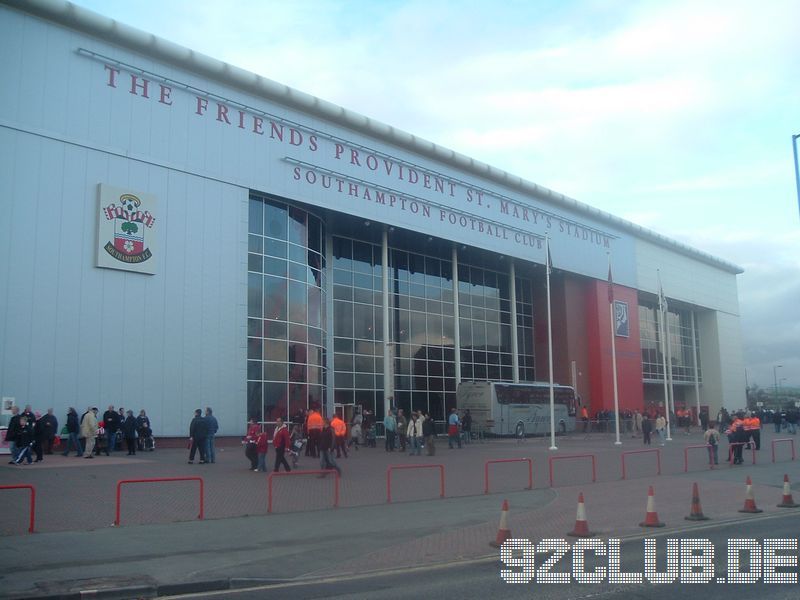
{"type": "Point", "coordinates": [177, 232]}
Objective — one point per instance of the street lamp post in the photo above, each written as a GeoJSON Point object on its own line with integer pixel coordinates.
{"type": "Point", "coordinates": [775, 377]}
{"type": "Point", "coordinates": [796, 169]}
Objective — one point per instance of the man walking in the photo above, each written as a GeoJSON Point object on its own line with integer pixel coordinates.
{"type": "Point", "coordinates": [429, 434]}
{"type": "Point", "coordinates": [11, 433]}
{"type": "Point", "coordinates": [414, 434]}
{"type": "Point", "coordinates": [452, 429]}
{"type": "Point", "coordinates": [213, 427]}
{"type": "Point", "coordinates": [73, 427]}
{"type": "Point", "coordinates": [89, 431]}
{"type": "Point", "coordinates": [340, 434]}
{"type": "Point", "coordinates": [281, 442]}
{"type": "Point", "coordinates": [198, 430]}
{"type": "Point", "coordinates": [326, 443]}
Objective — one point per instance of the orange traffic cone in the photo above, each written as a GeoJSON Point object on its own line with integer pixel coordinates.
{"type": "Point", "coordinates": [581, 524]}
{"type": "Point", "coordinates": [788, 501]}
{"type": "Point", "coordinates": [651, 518]}
{"type": "Point", "coordinates": [697, 510]}
{"type": "Point", "coordinates": [749, 499]}
{"type": "Point", "coordinates": [503, 532]}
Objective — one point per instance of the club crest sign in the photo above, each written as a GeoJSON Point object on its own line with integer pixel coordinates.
{"type": "Point", "coordinates": [127, 226]}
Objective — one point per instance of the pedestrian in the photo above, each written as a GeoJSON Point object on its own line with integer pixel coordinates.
{"type": "Point", "coordinates": [756, 431]}
{"type": "Point", "coordinates": [262, 445]}
{"type": "Point", "coordinates": [711, 437]}
{"type": "Point", "coordinates": [452, 429]}
{"type": "Point", "coordinates": [704, 420]}
{"type": "Point", "coordinates": [38, 435]}
{"type": "Point", "coordinates": [414, 433]}
{"type": "Point", "coordinates": [282, 444]}
{"type": "Point", "coordinates": [466, 426]}
{"type": "Point", "coordinates": [24, 440]}
{"type": "Point", "coordinates": [637, 421]}
{"type": "Point", "coordinates": [661, 424]}
{"type": "Point", "coordinates": [647, 428]}
{"type": "Point", "coordinates": [355, 432]}
{"type": "Point", "coordinates": [129, 432]}
{"type": "Point", "coordinates": [11, 433]}
{"type": "Point", "coordinates": [585, 418]}
{"type": "Point", "coordinates": [198, 429]}
{"type": "Point", "coordinates": [735, 433]}
{"type": "Point", "coordinates": [49, 430]}
{"type": "Point", "coordinates": [111, 423]}
{"type": "Point", "coordinates": [326, 444]}
{"type": "Point", "coordinates": [389, 426]}
{"type": "Point", "coordinates": [777, 420]}
{"type": "Point", "coordinates": [213, 427]}
{"type": "Point", "coordinates": [73, 428]}
{"type": "Point", "coordinates": [89, 429]}
{"type": "Point", "coordinates": [340, 433]}
{"type": "Point", "coordinates": [402, 426]}
{"type": "Point", "coordinates": [250, 450]}
{"type": "Point", "coordinates": [144, 431]}
{"type": "Point", "coordinates": [314, 425]}
{"type": "Point", "coordinates": [429, 434]}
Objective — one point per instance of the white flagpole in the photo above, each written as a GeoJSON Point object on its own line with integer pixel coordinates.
{"type": "Point", "coordinates": [613, 353]}
{"type": "Point", "coordinates": [662, 329]}
{"type": "Point", "coordinates": [550, 352]}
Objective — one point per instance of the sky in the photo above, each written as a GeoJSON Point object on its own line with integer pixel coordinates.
{"type": "Point", "coordinates": [677, 116]}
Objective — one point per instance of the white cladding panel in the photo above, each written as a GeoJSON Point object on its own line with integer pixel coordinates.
{"type": "Point", "coordinates": [89, 92]}
{"type": "Point", "coordinates": [684, 279]}
{"type": "Point", "coordinates": [76, 335]}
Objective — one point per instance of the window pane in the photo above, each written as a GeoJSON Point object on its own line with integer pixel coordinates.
{"type": "Point", "coordinates": [256, 217]}
{"type": "Point", "coordinates": [275, 220]}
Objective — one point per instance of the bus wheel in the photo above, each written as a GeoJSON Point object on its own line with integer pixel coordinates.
{"type": "Point", "coordinates": [562, 426]}
{"type": "Point", "coordinates": [519, 432]}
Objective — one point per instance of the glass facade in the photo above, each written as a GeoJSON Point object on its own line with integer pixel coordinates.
{"type": "Point", "coordinates": [679, 327]}
{"type": "Point", "coordinates": [286, 333]}
{"type": "Point", "coordinates": [422, 326]}
{"type": "Point", "coordinates": [287, 321]}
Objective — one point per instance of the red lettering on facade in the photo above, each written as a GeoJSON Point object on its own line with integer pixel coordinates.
{"type": "Point", "coordinates": [112, 76]}
{"type": "Point", "coordinates": [164, 95]}
{"type": "Point", "coordinates": [258, 123]}
{"type": "Point", "coordinates": [202, 105]}
{"type": "Point", "coordinates": [222, 113]}
{"type": "Point", "coordinates": [136, 85]}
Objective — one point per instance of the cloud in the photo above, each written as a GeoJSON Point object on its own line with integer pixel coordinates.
{"type": "Point", "coordinates": [677, 115]}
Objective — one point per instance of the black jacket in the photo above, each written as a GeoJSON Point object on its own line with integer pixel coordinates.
{"type": "Point", "coordinates": [129, 427]}
{"type": "Point", "coordinates": [13, 429]}
{"type": "Point", "coordinates": [198, 428]}
{"type": "Point", "coordinates": [326, 440]}
{"type": "Point", "coordinates": [111, 421]}
{"type": "Point", "coordinates": [72, 422]}
{"type": "Point", "coordinates": [24, 435]}
{"type": "Point", "coordinates": [428, 427]}
{"type": "Point", "coordinates": [49, 426]}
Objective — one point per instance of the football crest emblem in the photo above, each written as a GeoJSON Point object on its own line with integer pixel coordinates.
{"type": "Point", "coordinates": [126, 230]}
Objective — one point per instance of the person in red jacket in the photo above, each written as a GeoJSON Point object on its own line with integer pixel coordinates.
{"type": "Point", "coordinates": [250, 450]}
{"type": "Point", "coordinates": [281, 442]}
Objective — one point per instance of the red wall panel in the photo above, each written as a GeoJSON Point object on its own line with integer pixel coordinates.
{"type": "Point", "coordinates": [628, 350]}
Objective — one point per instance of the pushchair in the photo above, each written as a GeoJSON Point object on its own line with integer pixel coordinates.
{"type": "Point", "coordinates": [146, 441]}
{"type": "Point", "coordinates": [296, 448]}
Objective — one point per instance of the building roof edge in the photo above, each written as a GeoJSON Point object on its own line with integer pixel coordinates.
{"type": "Point", "coordinates": [82, 19]}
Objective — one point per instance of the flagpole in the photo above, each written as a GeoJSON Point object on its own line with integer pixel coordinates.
{"type": "Point", "coordinates": [550, 352]}
{"type": "Point", "coordinates": [662, 328]}
{"type": "Point", "coordinates": [613, 350]}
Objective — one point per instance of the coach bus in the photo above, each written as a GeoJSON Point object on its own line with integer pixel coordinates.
{"type": "Point", "coordinates": [519, 409]}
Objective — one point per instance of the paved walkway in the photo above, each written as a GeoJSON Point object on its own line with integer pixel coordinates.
{"type": "Point", "coordinates": [75, 508]}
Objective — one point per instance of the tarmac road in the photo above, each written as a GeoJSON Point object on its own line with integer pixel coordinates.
{"type": "Point", "coordinates": [481, 579]}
